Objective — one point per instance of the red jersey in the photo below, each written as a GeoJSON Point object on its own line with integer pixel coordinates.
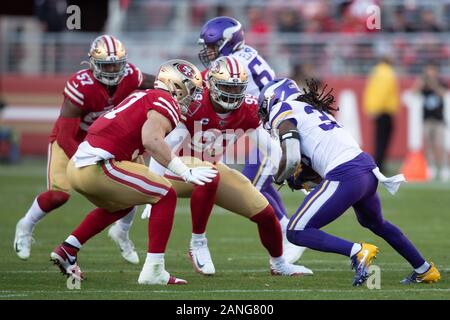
{"type": "Point", "coordinates": [203, 73]}
{"type": "Point", "coordinates": [120, 130]}
{"type": "Point", "coordinates": [208, 129]}
{"type": "Point", "coordinates": [92, 98]}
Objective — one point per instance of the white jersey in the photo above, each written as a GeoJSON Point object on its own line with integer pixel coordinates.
{"type": "Point", "coordinates": [258, 70]}
{"type": "Point", "coordinates": [323, 141]}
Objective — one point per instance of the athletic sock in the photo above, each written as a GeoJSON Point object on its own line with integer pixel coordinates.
{"type": "Point", "coordinates": [43, 204]}
{"type": "Point", "coordinates": [269, 231]}
{"type": "Point", "coordinates": [126, 222]}
{"type": "Point", "coordinates": [202, 202]}
{"type": "Point", "coordinates": [355, 249]}
{"type": "Point", "coordinates": [423, 268]}
{"type": "Point", "coordinates": [160, 222]}
{"type": "Point", "coordinates": [95, 222]}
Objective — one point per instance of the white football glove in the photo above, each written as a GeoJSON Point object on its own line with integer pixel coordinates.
{"type": "Point", "coordinates": [199, 175]}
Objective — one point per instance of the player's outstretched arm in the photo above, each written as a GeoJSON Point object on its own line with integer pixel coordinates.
{"type": "Point", "coordinates": [174, 139]}
{"type": "Point", "coordinates": [291, 155]}
{"type": "Point", "coordinates": [68, 123]}
{"type": "Point", "coordinates": [153, 133]}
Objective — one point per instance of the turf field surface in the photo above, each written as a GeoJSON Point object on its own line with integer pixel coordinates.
{"type": "Point", "coordinates": [422, 211]}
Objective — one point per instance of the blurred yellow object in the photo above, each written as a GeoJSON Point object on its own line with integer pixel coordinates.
{"type": "Point", "coordinates": [298, 170]}
{"type": "Point", "coordinates": [381, 94]}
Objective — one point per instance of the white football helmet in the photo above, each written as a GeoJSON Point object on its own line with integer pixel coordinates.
{"type": "Point", "coordinates": [108, 60]}
{"type": "Point", "coordinates": [227, 81]}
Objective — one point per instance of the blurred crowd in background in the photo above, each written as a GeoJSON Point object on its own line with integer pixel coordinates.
{"type": "Point", "coordinates": [330, 34]}
{"type": "Point", "coordinates": [299, 38]}
{"type": "Point", "coordinates": [260, 17]}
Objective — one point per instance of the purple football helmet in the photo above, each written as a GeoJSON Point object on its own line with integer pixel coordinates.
{"type": "Point", "coordinates": [225, 34]}
{"type": "Point", "coordinates": [277, 90]}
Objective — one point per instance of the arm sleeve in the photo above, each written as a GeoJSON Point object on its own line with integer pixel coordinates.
{"type": "Point", "coordinates": [293, 156]}
{"type": "Point", "coordinates": [267, 145]}
{"type": "Point", "coordinates": [66, 138]}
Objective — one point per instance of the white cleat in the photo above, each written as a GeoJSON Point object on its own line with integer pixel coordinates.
{"type": "Point", "coordinates": [126, 246]}
{"type": "Point", "coordinates": [291, 252]}
{"type": "Point", "coordinates": [201, 257]}
{"type": "Point", "coordinates": [23, 240]}
{"type": "Point", "coordinates": [287, 269]}
{"type": "Point", "coordinates": [154, 274]}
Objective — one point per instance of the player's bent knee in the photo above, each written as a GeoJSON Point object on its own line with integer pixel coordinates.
{"type": "Point", "coordinates": [60, 197]}
{"type": "Point", "coordinates": [171, 194]}
{"type": "Point", "coordinates": [236, 193]}
{"type": "Point", "coordinates": [296, 237]}
{"type": "Point", "coordinates": [52, 199]}
{"type": "Point", "coordinates": [214, 184]}
{"type": "Point", "coordinates": [290, 235]}
{"type": "Point", "coordinates": [384, 227]}
{"type": "Point", "coordinates": [371, 225]}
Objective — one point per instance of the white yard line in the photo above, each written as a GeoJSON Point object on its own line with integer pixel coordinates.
{"type": "Point", "coordinates": [13, 295]}
{"type": "Point", "coordinates": [444, 290]}
{"type": "Point", "coordinates": [188, 270]}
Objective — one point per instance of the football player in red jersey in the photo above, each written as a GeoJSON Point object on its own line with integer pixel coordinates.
{"type": "Point", "coordinates": [87, 95]}
{"type": "Point", "coordinates": [225, 110]}
{"type": "Point", "coordinates": [105, 171]}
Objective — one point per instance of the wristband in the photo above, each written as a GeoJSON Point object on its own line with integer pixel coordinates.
{"type": "Point", "coordinates": [177, 166]}
{"type": "Point", "coordinates": [291, 134]}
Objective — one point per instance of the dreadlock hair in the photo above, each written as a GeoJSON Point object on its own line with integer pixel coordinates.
{"type": "Point", "coordinates": [322, 101]}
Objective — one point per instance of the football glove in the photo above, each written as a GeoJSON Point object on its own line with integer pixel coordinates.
{"type": "Point", "coordinates": [304, 178]}
{"type": "Point", "coordinates": [199, 175]}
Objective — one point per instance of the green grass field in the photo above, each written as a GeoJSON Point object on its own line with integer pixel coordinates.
{"type": "Point", "coordinates": [421, 211]}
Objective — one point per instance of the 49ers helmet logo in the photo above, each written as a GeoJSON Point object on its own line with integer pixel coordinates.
{"type": "Point", "coordinates": [215, 67]}
{"type": "Point", "coordinates": [186, 70]}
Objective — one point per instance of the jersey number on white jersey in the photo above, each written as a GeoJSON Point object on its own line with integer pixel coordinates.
{"type": "Point", "coordinates": [327, 123]}
{"type": "Point", "coordinates": [260, 75]}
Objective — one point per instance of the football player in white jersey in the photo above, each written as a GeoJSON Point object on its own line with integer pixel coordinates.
{"type": "Point", "coordinates": [308, 132]}
{"type": "Point", "coordinates": [224, 36]}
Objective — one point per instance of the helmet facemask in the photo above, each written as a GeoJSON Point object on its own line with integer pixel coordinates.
{"type": "Point", "coordinates": [189, 103]}
{"type": "Point", "coordinates": [228, 94]}
{"type": "Point", "coordinates": [108, 60]}
{"type": "Point", "coordinates": [209, 52]}
{"type": "Point", "coordinates": [109, 72]}
{"type": "Point", "coordinates": [264, 109]}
